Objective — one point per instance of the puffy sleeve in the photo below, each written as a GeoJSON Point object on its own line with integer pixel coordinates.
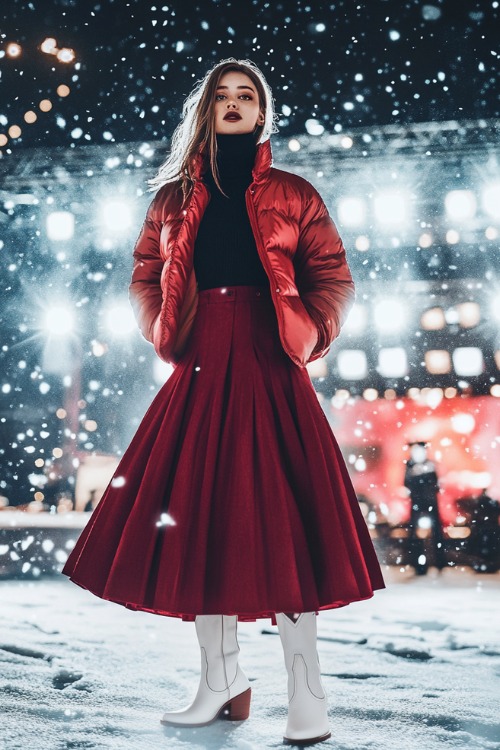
{"type": "Point", "coordinates": [145, 292]}
{"type": "Point", "coordinates": [322, 274]}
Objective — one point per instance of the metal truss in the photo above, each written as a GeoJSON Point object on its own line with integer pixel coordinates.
{"type": "Point", "coordinates": [30, 169]}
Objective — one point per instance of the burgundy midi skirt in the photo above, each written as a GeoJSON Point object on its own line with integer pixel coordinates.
{"type": "Point", "coordinates": [233, 496]}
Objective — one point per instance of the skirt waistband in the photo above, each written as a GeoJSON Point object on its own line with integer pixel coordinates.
{"type": "Point", "coordinates": [234, 293]}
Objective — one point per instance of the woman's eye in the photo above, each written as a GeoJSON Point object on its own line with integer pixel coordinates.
{"type": "Point", "coordinates": [246, 95]}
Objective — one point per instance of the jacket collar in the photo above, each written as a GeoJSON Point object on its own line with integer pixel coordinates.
{"type": "Point", "coordinates": [260, 171]}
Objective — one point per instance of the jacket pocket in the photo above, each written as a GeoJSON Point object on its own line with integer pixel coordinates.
{"type": "Point", "coordinates": [299, 330]}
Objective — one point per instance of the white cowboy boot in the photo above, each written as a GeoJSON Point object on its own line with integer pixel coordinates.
{"type": "Point", "coordinates": [307, 702]}
{"type": "Point", "coordinates": [223, 690]}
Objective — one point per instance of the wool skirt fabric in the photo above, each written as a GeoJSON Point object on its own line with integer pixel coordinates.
{"type": "Point", "coordinates": [233, 496]}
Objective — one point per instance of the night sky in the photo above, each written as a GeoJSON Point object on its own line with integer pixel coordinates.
{"type": "Point", "coordinates": [346, 63]}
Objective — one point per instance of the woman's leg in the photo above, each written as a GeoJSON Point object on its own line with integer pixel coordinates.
{"type": "Point", "coordinates": [307, 700]}
{"type": "Point", "coordinates": [224, 688]}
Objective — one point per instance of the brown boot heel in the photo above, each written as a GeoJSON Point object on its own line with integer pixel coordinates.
{"type": "Point", "coordinates": [238, 708]}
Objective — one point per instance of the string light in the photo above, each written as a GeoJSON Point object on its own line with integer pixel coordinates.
{"type": "Point", "coordinates": [13, 49]}
{"type": "Point", "coordinates": [64, 55]}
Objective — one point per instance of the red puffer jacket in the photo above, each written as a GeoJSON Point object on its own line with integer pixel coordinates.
{"type": "Point", "coordinates": [310, 281]}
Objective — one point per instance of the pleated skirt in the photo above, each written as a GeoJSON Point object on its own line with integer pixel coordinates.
{"type": "Point", "coordinates": [233, 496]}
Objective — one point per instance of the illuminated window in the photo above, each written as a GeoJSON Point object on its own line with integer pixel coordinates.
{"type": "Point", "coordinates": [468, 360]}
{"type": "Point", "coordinates": [352, 364]}
{"type": "Point", "coordinates": [392, 362]}
{"type": "Point", "coordinates": [437, 361]}
{"type": "Point", "coordinates": [433, 319]}
{"type": "Point", "coordinates": [469, 314]}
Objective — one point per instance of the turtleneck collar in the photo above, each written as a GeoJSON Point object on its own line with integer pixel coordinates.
{"type": "Point", "coordinates": [235, 154]}
{"type": "Point", "coordinates": [262, 166]}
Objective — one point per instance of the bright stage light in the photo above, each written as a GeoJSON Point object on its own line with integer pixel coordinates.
{"type": "Point", "coordinates": [495, 306]}
{"type": "Point", "coordinates": [356, 321]}
{"type": "Point", "coordinates": [389, 315]}
{"type": "Point", "coordinates": [460, 204]}
{"type": "Point", "coordinates": [425, 239]}
{"type": "Point", "coordinates": [98, 348]}
{"type": "Point", "coordinates": [452, 316]}
{"type": "Point", "coordinates": [452, 237]}
{"type": "Point", "coordinates": [58, 321]}
{"type": "Point", "coordinates": [120, 320]}
{"type": "Point", "coordinates": [463, 423]}
{"type": "Point", "coordinates": [351, 211]}
{"type": "Point", "coordinates": [424, 522]}
{"type": "Point", "coordinates": [468, 360]}
{"type": "Point", "coordinates": [362, 243]}
{"type": "Point", "coordinates": [352, 364]}
{"type": "Point", "coordinates": [392, 362]}
{"type": "Point", "coordinates": [60, 225]}
{"type": "Point", "coordinates": [116, 215]}
{"type": "Point", "coordinates": [161, 370]}
{"type": "Point", "coordinates": [491, 199]}
{"type": "Point", "coordinates": [391, 207]}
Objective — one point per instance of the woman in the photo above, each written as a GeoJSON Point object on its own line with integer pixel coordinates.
{"type": "Point", "coordinates": [233, 501]}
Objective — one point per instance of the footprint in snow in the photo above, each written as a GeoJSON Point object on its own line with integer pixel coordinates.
{"type": "Point", "coordinates": [65, 677]}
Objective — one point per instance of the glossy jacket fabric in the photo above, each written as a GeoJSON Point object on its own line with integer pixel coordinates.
{"type": "Point", "coordinates": [298, 243]}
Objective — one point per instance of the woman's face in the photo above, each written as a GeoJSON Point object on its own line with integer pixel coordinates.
{"type": "Point", "coordinates": [236, 94]}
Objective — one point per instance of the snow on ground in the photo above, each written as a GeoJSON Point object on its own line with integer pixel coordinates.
{"type": "Point", "coordinates": [416, 666]}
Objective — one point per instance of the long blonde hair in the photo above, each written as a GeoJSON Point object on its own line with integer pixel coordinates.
{"type": "Point", "coordinates": [197, 125]}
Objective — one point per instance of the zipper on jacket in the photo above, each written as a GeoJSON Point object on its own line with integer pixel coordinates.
{"type": "Point", "coordinates": [262, 253]}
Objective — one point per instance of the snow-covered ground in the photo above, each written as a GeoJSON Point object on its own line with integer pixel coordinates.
{"type": "Point", "coordinates": [416, 666]}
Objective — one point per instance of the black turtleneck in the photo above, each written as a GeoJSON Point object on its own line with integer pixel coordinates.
{"type": "Point", "coordinates": [225, 252]}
